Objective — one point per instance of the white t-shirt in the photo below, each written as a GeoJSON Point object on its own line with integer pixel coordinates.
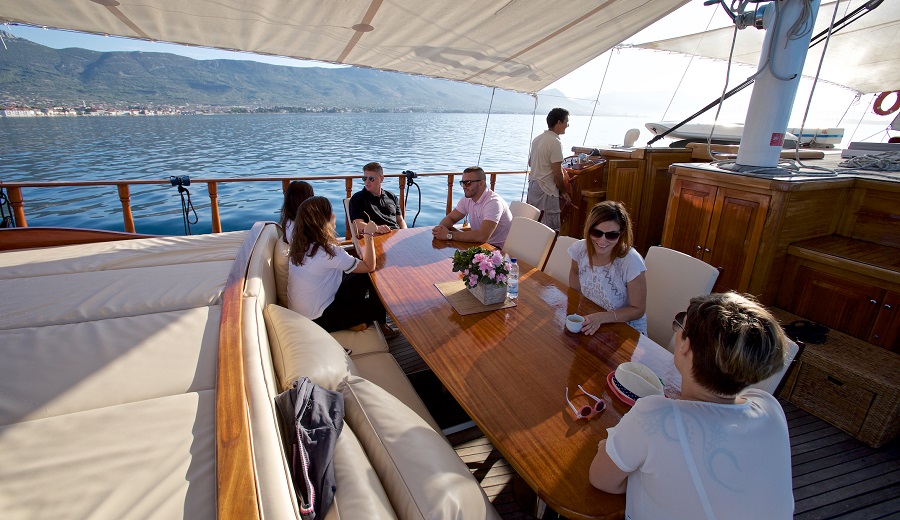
{"type": "Point", "coordinates": [312, 286]}
{"type": "Point", "coordinates": [741, 453]}
{"type": "Point", "coordinates": [606, 285]}
{"type": "Point", "coordinates": [546, 149]}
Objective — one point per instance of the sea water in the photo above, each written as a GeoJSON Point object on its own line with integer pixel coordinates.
{"type": "Point", "coordinates": [271, 145]}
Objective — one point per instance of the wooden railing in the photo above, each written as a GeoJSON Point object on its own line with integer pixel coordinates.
{"type": "Point", "coordinates": [123, 187]}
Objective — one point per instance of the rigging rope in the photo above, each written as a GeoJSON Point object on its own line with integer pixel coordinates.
{"type": "Point", "coordinates": [886, 162]}
{"type": "Point", "coordinates": [861, 117]}
{"type": "Point", "coordinates": [6, 221]}
{"type": "Point", "coordinates": [527, 166]}
{"type": "Point", "coordinates": [684, 75]}
{"type": "Point", "coordinates": [490, 107]}
{"type": "Point", "coordinates": [602, 81]}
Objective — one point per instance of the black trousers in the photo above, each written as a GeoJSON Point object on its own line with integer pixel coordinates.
{"type": "Point", "coordinates": [354, 303]}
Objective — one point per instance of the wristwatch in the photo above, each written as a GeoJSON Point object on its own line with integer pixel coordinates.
{"type": "Point", "coordinates": [450, 236]}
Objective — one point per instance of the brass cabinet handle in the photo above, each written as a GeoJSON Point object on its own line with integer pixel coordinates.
{"type": "Point", "coordinates": [887, 306]}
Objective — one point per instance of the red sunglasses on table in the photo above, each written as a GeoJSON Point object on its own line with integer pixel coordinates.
{"type": "Point", "coordinates": [586, 412]}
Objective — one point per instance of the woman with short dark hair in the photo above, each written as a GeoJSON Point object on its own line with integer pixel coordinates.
{"type": "Point", "coordinates": [722, 450]}
{"type": "Point", "coordinates": [294, 195]}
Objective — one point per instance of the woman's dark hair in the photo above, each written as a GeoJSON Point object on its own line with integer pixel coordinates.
{"type": "Point", "coordinates": [294, 195]}
{"type": "Point", "coordinates": [735, 342]}
{"type": "Point", "coordinates": [312, 229]}
{"type": "Point", "coordinates": [610, 211]}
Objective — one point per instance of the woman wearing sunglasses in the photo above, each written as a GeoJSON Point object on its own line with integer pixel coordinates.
{"type": "Point", "coordinates": [325, 283]}
{"type": "Point", "coordinates": [722, 450]}
{"type": "Point", "coordinates": [607, 269]}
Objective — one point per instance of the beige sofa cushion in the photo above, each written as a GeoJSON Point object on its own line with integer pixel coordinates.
{"type": "Point", "coordinates": [421, 473]}
{"type": "Point", "coordinates": [302, 348]}
{"type": "Point", "coordinates": [153, 459]}
{"type": "Point", "coordinates": [281, 262]}
{"type": "Point", "coordinates": [383, 370]}
{"type": "Point", "coordinates": [359, 492]}
{"type": "Point", "coordinates": [362, 342]}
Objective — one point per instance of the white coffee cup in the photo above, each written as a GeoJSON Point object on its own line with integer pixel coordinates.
{"type": "Point", "coordinates": [574, 322]}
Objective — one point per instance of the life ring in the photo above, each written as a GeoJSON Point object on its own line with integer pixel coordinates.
{"type": "Point", "coordinates": [880, 99]}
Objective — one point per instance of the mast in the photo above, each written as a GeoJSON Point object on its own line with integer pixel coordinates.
{"type": "Point", "coordinates": [788, 25]}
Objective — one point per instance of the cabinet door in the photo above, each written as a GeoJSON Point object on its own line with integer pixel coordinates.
{"type": "Point", "coordinates": [734, 234]}
{"type": "Point", "coordinates": [886, 331]}
{"type": "Point", "coordinates": [625, 184]}
{"type": "Point", "coordinates": [687, 221]}
{"type": "Point", "coordinates": [845, 305]}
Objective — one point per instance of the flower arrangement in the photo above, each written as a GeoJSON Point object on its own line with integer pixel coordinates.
{"type": "Point", "coordinates": [480, 265]}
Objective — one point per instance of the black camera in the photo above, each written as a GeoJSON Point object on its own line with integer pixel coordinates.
{"type": "Point", "coordinates": [410, 174]}
{"type": "Point", "coordinates": [181, 180]}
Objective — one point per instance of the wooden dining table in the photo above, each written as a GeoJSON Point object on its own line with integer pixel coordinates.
{"type": "Point", "coordinates": [509, 369]}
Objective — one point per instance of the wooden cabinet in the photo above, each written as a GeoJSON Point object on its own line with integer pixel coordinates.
{"type": "Point", "coordinates": [845, 305]}
{"type": "Point", "coordinates": [720, 225]}
{"type": "Point", "coordinates": [849, 285]}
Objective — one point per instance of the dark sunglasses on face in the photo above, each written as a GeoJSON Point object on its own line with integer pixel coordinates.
{"type": "Point", "coordinates": [465, 184]}
{"type": "Point", "coordinates": [678, 322]}
{"type": "Point", "coordinates": [610, 235]}
{"type": "Point", "coordinates": [365, 178]}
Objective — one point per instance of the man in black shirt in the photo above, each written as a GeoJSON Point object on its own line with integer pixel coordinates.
{"type": "Point", "coordinates": [381, 206]}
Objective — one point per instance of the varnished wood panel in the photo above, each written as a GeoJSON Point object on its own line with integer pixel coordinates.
{"type": "Point", "coordinates": [35, 237]}
{"type": "Point", "coordinates": [509, 369]}
{"type": "Point", "coordinates": [236, 496]}
{"type": "Point", "coordinates": [655, 198]}
{"type": "Point", "coordinates": [734, 233]}
{"type": "Point", "coordinates": [835, 301]}
{"type": "Point", "coordinates": [886, 331]}
{"type": "Point", "coordinates": [625, 185]}
{"type": "Point", "coordinates": [877, 219]}
{"type": "Point", "coordinates": [687, 223]}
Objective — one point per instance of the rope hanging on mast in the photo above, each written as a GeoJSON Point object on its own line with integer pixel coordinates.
{"type": "Point", "coordinates": [602, 81]}
{"type": "Point", "coordinates": [527, 166]}
{"type": "Point", "coordinates": [490, 107]}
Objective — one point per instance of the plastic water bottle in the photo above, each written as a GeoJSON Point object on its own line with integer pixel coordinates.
{"type": "Point", "coordinates": [512, 280]}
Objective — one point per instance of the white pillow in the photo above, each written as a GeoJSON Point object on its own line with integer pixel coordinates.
{"type": "Point", "coordinates": [419, 470]}
{"type": "Point", "coordinates": [300, 348]}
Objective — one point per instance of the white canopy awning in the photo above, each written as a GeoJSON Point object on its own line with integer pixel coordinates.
{"type": "Point", "coordinates": [863, 56]}
{"type": "Point", "coordinates": [521, 45]}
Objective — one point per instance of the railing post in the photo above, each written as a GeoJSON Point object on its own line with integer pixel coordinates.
{"type": "Point", "coordinates": [493, 181]}
{"type": "Point", "coordinates": [125, 199]}
{"type": "Point", "coordinates": [348, 187]}
{"type": "Point", "coordinates": [213, 189]}
{"type": "Point", "coordinates": [402, 201]}
{"type": "Point", "coordinates": [18, 205]}
{"type": "Point", "coordinates": [284, 185]}
{"type": "Point", "coordinates": [450, 177]}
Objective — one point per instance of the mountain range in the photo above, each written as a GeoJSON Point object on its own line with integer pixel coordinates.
{"type": "Point", "coordinates": [33, 75]}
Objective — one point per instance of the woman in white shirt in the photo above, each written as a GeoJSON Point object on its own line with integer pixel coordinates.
{"type": "Point", "coordinates": [607, 269]}
{"type": "Point", "coordinates": [325, 283]}
{"type": "Point", "coordinates": [722, 450]}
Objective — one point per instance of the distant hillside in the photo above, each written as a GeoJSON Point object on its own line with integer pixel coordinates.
{"type": "Point", "coordinates": [34, 75]}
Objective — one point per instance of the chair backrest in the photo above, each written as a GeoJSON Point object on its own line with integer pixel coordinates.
{"type": "Point", "coordinates": [673, 278]}
{"type": "Point", "coordinates": [353, 237]}
{"type": "Point", "coordinates": [773, 383]}
{"type": "Point", "coordinates": [529, 241]}
{"type": "Point", "coordinates": [524, 209]}
{"type": "Point", "coordinates": [559, 262]}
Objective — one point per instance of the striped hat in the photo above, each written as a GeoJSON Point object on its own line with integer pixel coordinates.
{"type": "Point", "coordinates": [631, 381]}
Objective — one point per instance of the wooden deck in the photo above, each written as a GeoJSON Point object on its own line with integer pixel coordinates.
{"type": "Point", "coordinates": [835, 476]}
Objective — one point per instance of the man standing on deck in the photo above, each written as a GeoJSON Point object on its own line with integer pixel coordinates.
{"type": "Point", "coordinates": [546, 186]}
{"type": "Point", "coordinates": [489, 215]}
{"type": "Point", "coordinates": [382, 206]}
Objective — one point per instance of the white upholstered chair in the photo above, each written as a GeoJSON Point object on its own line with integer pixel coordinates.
{"type": "Point", "coordinates": [529, 241]}
{"type": "Point", "coordinates": [773, 383]}
{"type": "Point", "coordinates": [673, 278]}
{"type": "Point", "coordinates": [559, 261]}
{"type": "Point", "coordinates": [524, 209]}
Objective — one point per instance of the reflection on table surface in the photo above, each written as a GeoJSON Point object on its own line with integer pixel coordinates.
{"type": "Point", "coordinates": [509, 369]}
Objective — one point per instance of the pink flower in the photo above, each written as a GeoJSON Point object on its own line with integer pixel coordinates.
{"type": "Point", "coordinates": [473, 280]}
{"type": "Point", "coordinates": [492, 274]}
{"type": "Point", "coordinates": [501, 278]}
{"type": "Point", "coordinates": [465, 272]}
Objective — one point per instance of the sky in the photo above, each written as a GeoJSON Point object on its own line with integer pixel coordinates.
{"type": "Point", "coordinates": [673, 85]}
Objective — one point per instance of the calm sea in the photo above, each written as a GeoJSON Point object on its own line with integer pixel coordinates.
{"type": "Point", "coordinates": [106, 148]}
{"type": "Point", "coordinates": [296, 145]}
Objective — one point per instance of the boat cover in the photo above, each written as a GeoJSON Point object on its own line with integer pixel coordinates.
{"type": "Point", "coordinates": [858, 56]}
{"type": "Point", "coordinates": [521, 45]}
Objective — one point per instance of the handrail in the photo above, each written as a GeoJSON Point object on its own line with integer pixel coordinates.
{"type": "Point", "coordinates": [17, 199]}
